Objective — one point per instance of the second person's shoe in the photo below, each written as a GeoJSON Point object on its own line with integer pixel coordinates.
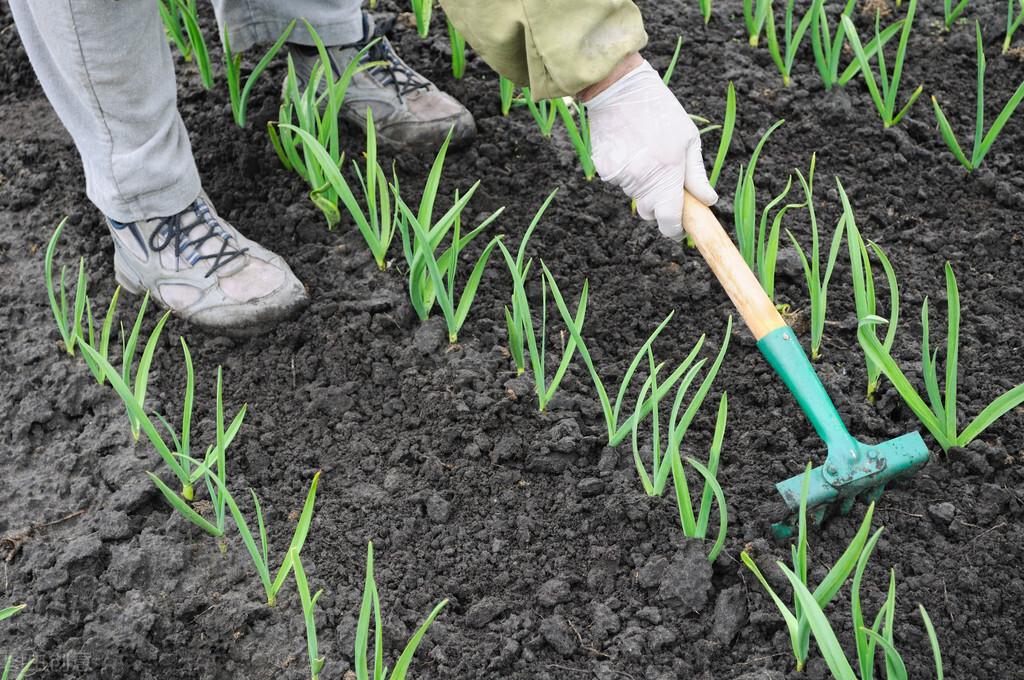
{"type": "Point", "coordinates": [408, 110]}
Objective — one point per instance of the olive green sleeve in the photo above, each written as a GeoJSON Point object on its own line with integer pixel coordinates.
{"type": "Point", "coordinates": [557, 47]}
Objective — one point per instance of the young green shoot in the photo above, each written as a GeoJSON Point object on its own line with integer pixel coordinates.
{"type": "Point", "coordinates": [618, 429]}
{"type": "Point", "coordinates": [70, 327]}
{"type": "Point", "coordinates": [673, 62]}
{"type": "Point", "coordinates": [260, 553]}
{"type": "Point", "coordinates": [141, 381]}
{"type": "Point", "coordinates": [238, 92]}
{"type": "Point", "coordinates": [422, 11]}
{"type": "Point", "coordinates": [728, 125]}
{"type": "Point", "coordinates": [867, 640]}
{"type": "Point", "coordinates": [792, 36]}
{"type": "Point", "coordinates": [8, 612]}
{"type": "Point", "coordinates": [885, 88]}
{"type": "Point", "coordinates": [578, 128]}
{"type": "Point", "coordinates": [802, 618]}
{"type": "Point", "coordinates": [5, 672]}
{"type": "Point", "coordinates": [817, 282]}
{"type": "Point", "coordinates": [757, 241]}
{"type": "Point", "coordinates": [661, 461]}
{"type": "Point", "coordinates": [982, 141]}
{"type": "Point", "coordinates": [176, 455]}
{"type": "Point", "coordinates": [705, 10]}
{"type": "Point", "coordinates": [316, 661]}
{"type": "Point", "coordinates": [507, 90]}
{"type": "Point", "coordinates": [939, 413]}
{"type": "Point", "coordinates": [696, 525]}
{"type": "Point", "coordinates": [755, 14]}
{"type": "Point", "coordinates": [377, 222]}
{"type": "Point", "coordinates": [536, 348]}
{"type": "Point", "coordinates": [371, 607]}
{"type": "Point", "coordinates": [170, 14]}
{"type": "Point", "coordinates": [544, 112]}
{"type": "Point", "coordinates": [1014, 19]}
{"type": "Point", "coordinates": [455, 308]}
{"type": "Point", "coordinates": [458, 45]}
{"type": "Point", "coordinates": [864, 295]}
{"type": "Point", "coordinates": [952, 10]}
{"type": "Point", "coordinates": [828, 48]}
{"type": "Point", "coordinates": [432, 275]}
{"type": "Point", "coordinates": [314, 110]}
{"type": "Point", "coordinates": [181, 20]}
{"type": "Point", "coordinates": [518, 321]}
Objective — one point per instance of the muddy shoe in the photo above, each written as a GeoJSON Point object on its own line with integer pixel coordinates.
{"type": "Point", "coordinates": [408, 109]}
{"type": "Point", "coordinates": [199, 266]}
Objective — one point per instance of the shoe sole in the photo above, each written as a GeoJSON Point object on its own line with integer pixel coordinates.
{"type": "Point", "coordinates": [135, 287]}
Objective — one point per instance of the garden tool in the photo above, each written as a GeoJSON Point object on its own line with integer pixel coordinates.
{"type": "Point", "coordinates": [851, 467]}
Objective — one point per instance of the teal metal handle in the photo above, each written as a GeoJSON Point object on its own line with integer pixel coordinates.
{"type": "Point", "coordinates": [783, 351]}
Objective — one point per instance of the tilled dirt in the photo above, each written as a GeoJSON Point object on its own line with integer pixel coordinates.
{"type": "Point", "coordinates": [555, 563]}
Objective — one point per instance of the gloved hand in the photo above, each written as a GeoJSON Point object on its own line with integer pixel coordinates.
{"type": "Point", "coordinates": [643, 142]}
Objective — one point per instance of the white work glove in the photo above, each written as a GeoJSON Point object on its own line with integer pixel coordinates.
{"type": "Point", "coordinates": [643, 142]}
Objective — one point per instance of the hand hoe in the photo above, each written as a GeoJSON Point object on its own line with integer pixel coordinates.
{"type": "Point", "coordinates": [851, 467]}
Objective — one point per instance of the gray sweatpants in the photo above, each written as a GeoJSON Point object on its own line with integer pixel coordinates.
{"type": "Point", "coordinates": [106, 68]}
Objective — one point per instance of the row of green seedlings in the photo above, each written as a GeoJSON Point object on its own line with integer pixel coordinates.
{"type": "Point", "coordinates": [307, 140]}
{"type": "Point", "coordinates": [758, 238]}
{"type": "Point", "coordinates": [5, 672]}
{"type": "Point", "coordinates": [528, 346]}
{"type": "Point", "coordinates": [181, 23]}
{"type": "Point", "coordinates": [807, 617]}
{"type": "Point", "coordinates": [883, 81]}
{"type": "Point", "coordinates": [77, 327]}
{"type": "Point", "coordinates": [826, 39]}
{"type": "Point", "coordinates": [827, 46]}
{"type": "Point", "coordinates": [182, 27]}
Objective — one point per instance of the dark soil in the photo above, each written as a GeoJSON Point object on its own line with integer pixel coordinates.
{"type": "Point", "coordinates": [556, 564]}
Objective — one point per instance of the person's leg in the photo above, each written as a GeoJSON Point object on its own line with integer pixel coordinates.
{"type": "Point", "coordinates": [251, 22]}
{"type": "Point", "coordinates": [106, 69]}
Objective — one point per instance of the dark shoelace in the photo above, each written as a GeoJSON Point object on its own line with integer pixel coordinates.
{"type": "Point", "coordinates": [394, 71]}
{"type": "Point", "coordinates": [171, 229]}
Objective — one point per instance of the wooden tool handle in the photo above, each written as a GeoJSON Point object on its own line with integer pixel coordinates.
{"type": "Point", "coordinates": [730, 268]}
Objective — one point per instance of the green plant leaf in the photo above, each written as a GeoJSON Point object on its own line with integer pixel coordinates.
{"type": "Point", "coordinates": [829, 645]}
{"type": "Point", "coordinates": [183, 508]}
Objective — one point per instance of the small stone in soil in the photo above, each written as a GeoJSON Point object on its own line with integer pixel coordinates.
{"type": "Point", "coordinates": [485, 611]}
{"type": "Point", "coordinates": [590, 486]}
{"type": "Point", "coordinates": [604, 622]}
{"type": "Point", "coordinates": [552, 592]}
{"type": "Point", "coordinates": [687, 581]}
{"type": "Point", "coordinates": [437, 509]}
{"type": "Point", "coordinates": [660, 638]}
{"type": "Point", "coordinates": [730, 614]}
{"type": "Point", "coordinates": [650, 615]}
{"type": "Point", "coordinates": [557, 632]}
{"type": "Point", "coordinates": [942, 513]}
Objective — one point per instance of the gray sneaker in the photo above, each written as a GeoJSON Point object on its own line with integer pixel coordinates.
{"type": "Point", "coordinates": [408, 109]}
{"type": "Point", "coordinates": [199, 266]}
